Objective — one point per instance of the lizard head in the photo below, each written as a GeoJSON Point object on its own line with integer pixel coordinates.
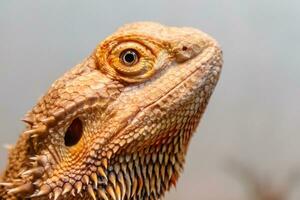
{"type": "Point", "coordinates": [117, 126]}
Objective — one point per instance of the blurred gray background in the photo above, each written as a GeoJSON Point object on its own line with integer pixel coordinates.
{"type": "Point", "coordinates": [253, 116]}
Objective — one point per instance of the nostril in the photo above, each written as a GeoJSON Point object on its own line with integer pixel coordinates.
{"type": "Point", "coordinates": [73, 133]}
{"type": "Point", "coordinates": [184, 48]}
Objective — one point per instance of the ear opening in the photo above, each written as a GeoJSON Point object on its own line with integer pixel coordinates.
{"type": "Point", "coordinates": [73, 133]}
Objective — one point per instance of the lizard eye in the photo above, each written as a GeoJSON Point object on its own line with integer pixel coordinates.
{"type": "Point", "coordinates": [73, 133]}
{"type": "Point", "coordinates": [129, 57]}
{"type": "Point", "coordinates": [129, 60]}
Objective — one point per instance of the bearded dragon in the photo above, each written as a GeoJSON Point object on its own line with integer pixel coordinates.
{"type": "Point", "coordinates": [117, 126]}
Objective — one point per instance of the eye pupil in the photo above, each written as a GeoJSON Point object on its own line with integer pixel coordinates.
{"type": "Point", "coordinates": [129, 57]}
{"type": "Point", "coordinates": [74, 133]}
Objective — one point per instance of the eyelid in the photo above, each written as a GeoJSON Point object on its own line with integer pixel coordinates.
{"type": "Point", "coordinates": [141, 50]}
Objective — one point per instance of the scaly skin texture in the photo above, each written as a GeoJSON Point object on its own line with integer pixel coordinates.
{"type": "Point", "coordinates": [111, 128]}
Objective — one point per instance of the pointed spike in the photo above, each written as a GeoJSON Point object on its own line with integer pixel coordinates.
{"type": "Point", "coordinates": [112, 178]}
{"type": "Point", "coordinates": [33, 158]}
{"type": "Point", "coordinates": [147, 186]}
{"type": "Point", "coordinates": [150, 169]}
{"type": "Point", "coordinates": [135, 155]}
{"type": "Point", "coordinates": [128, 185]}
{"type": "Point", "coordinates": [8, 146]}
{"type": "Point", "coordinates": [14, 183]}
{"type": "Point", "coordinates": [29, 132]}
{"type": "Point", "coordinates": [80, 194]}
{"type": "Point", "coordinates": [26, 188]}
{"type": "Point", "coordinates": [18, 180]}
{"type": "Point", "coordinates": [158, 185]}
{"type": "Point", "coordinates": [148, 157]}
{"type": "Point", "coordinates": [163, 172]}
{"type": "Point", "coordinates": [67, 188]}
{"type": "Point", "coordinates": [34, 136]}
{"type": "Point", "coordinates": [134, 186]}
{"type": "Point", "coordinates": [177, 168]}
{"type": "Point", "coordinates": [102, 172]}
{"type": "Point", "coordinates": [142, 159]}
{"type": "Point", "coordinates": [45, 189]}
{"type": "Point", "coordinates": [7, 184]}
{"type": "Point", "coordinates": [141, 184]}
{"type": "Point", "coordinates": [124, 168]}
{"type": "Point", "coordinates": [57, 192]}
{"type": "Point", "coordinates": [102, 194]}
{"type": "Point", "coordinates": [117, 168]}
{"type": "Point", "coordinates": [109, 154]}
{"type": "Point", "coordinates": [91, 192]}
{"type": "Point", "coordinates": [166, 159]}
{"type": "Point", "coordinates": [160, 157]}
{"type": "Point", "coordinates": [127, 157]}
{"type": "Point", "coordinates": [85, 179]}
{"type": "Point", "coordinates": [118, 192]}
{"type": "Point", "coordinates": [32, 164]}
{"type": "Point", "coordinates": [28, 120]}
{"type": "Point", "coordinates": [94, 178]}
{"type": "Point", "coordinates": [169, 171]}
{"type": "Point", "coordinates": [40, 130]}
{"type": "Point", "coordinates": [37, 182]}
{"type": "Point", "coordinates": [172, 159]}
{"type": "Point", "coordinates": [78, 186]}
{"type": "Point", "coordinates": [130, 166]}
{"type": "Point", "coordinates": [152, 184]}
{"type": "Point", "coordinates": [104, 163]}
{"type": "Point", "coordinates": [156, 170]}
{"type": "Point", "coordinates": [144, 171]}
{"type": "Point", "coordinates": [140, 178]}
{"type": "Point", "coordinates": [158, 178]}
{"type": "Point", "coordinates": [154, 157]}
{"type": "Point", "coordinates": [111, 192]}
{"type": "Point", "coordinates": [22, 170]}
{"type": "Point", "coordinates": [50, 195]}
{"type": "Point", "coordinates": [48, 121]}
{"type": "Point", "coordinates": [173, 179]}
{"type": "Point", "coordinates": [40, 159]}
{"type": "Point", "coordinates": [73, 192]}
{"type": "Point", "coordinates": [122, 182]}
{"type": "Point", "coordinates": [36, 172]}
{"type": "Point", "coordinates": [166, 183]}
